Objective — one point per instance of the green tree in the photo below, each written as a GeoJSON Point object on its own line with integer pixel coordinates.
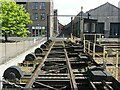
{"type": "Point", "coordinates": [14, 19]}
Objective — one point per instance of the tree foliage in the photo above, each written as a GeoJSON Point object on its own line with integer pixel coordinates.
{"type": "Point", "coordinates": [14, 19]}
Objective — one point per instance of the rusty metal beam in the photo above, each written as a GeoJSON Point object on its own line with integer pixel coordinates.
{"type": "Point", "coordinates": [35, 74]}
{"type": "Point", "coordinates": [72, 76]}
{"type": "Point", "coordinates": [93, 86]}
{"type": "Point", "coordinates": [50, 87]}
{"type": "Point", "coordinates": [62, 88]}
{"type": "Point", "coordinates": [107, 85]}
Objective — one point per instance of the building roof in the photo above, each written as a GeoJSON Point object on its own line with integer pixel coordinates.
{"type": "Point", "coordinates": [107, 3]}
{"type": "Point", "coordinates": [60, 24]}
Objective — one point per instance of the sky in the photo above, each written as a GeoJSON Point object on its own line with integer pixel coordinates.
{"type": "Point", "coordinates": [73, 7]}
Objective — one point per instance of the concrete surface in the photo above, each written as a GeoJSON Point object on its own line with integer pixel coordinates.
{"type": "Point", "coordinates": [10, 50]}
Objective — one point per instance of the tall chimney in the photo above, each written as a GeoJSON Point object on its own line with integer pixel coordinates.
{"type": "Point", "coordinates": [119, 4]}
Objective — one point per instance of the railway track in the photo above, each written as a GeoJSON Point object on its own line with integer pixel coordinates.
{"type": "Point", "coordinates": [62, 65]}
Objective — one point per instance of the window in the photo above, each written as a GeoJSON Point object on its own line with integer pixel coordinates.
{"type": "Point", "coordinates": [93, 27]}
{"type": "Point", "coordinates": [100, 28]}
{"type": "Point", "coordinates": [35, 16]}
{"type": "Point", "coordinates": [43, 27]}
{"type": "Point", "coordinates": [42, 5]}
{"type": "Point", "coordinates": [42, 16]}
{"type": "Point", "coordinates": [114, 29]}
{"type": "Point", "coordinates": [86, 27]}
{"type": "Point", "coordinates": [35, 5]}
{"type": "Point", "coordinates": [24, 6]}
{"type": "Point", "coordinates": [33, 27]}
{"type": "Point", "coordinates": [43, 31]}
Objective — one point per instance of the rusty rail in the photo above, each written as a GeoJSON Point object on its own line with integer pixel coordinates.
{"type": "Point", "coordinates": [71, 75]}
{"type": "Point", "coordinates": [35, 74]}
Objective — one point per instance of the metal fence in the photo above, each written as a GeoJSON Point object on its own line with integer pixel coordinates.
{"type": "Point", "coordinates": [11, 50]}
{"type": "Point", "coordinates": [101, 55]}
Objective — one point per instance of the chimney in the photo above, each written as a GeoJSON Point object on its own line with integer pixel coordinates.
{"type": "Point", "coordinates": [119, 4]}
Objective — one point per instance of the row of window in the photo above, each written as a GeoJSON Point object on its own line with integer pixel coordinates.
{"type": "Point", "coordinates": [37, 16]}
{"type": "Point", "coordinates": [39, 27]}
{"type": "Point", "coordinates": [38, 30]}
{"type": "Point", "coordinates": [114, 28]}
{"type": "Point", "coordinates": [38, 5]}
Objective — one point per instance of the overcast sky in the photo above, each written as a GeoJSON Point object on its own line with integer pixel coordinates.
{"type": "Point", "coordinates": [73, 7]}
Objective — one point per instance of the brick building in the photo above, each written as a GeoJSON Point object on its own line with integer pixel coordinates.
{"type": "Point", "coordinates": [38, 10]}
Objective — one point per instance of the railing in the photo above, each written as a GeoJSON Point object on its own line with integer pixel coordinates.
{"type": "Point", "coordinates": [95, 50]}
{"type": "Point", "coordinates": [93, 37]}
{"type": "Point", "coordinates": [20, 45]}
{"type": "Point", "coordinates": [100, 52]}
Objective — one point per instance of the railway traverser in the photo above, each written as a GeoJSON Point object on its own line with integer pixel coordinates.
{"type": "Point", "coordinates": [59, 65]}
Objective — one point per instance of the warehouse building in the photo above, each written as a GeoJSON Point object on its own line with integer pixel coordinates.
{"type": "Point", "coordinates": [108, 19]}
{"type": "Point", "coordinates": [104, 19]}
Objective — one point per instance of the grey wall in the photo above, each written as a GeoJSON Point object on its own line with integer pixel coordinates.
{"type": "Point", "coordinates": [106, 13]}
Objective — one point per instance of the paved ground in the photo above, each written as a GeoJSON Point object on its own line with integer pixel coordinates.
{"type": "Point", "coordinates": [11, 50]}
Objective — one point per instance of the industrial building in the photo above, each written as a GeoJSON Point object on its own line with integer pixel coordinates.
{"type": "Point", "coordinates": [108, 17]}
{"type": "Point", "coordinates": [104, 19]}
{"type": "Point", "coordinates": [38, 11]}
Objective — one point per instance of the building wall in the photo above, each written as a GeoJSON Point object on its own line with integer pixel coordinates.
{"type": "Point", "coordinates": [107, 22]}
{"type": "Point", "coordinates": [38, 15]}
{"type": "Point", "coordinates": [106, 14]}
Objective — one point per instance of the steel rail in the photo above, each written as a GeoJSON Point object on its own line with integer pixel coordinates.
{"type": "Point", "coordinates": [72, 76]}
{"type": "Point", "coordinates": [11, 83]}
{"type": "Point", "coordinates": [35, 74]}
{"type": "Point", "coordinates": [50, 87]}
{"type": "Point", "coordinates": [107, 85]}
{"type": "Point", "coordinates": [92, 85]}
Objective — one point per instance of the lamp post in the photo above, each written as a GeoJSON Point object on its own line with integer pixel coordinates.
{"type": "Point", "coordinates": [38, 32]}
{"type": "Point", "coordinates": [48, 29]}
{"type": "Point", "coordinates": [71, 27]}
{"type": "Point", "coordinates": [81, 25]}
